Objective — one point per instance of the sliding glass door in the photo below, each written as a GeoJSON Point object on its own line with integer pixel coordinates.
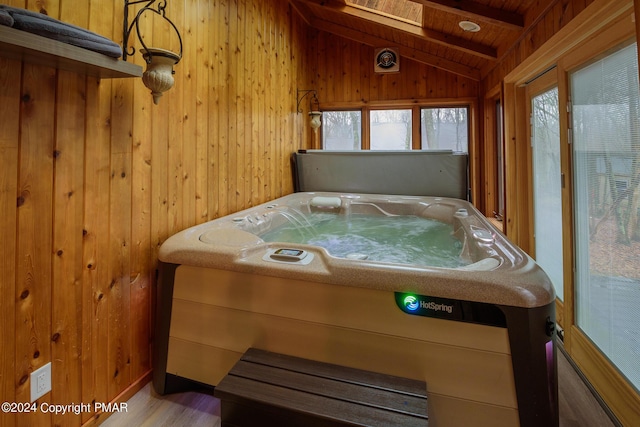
{"type": "Point", "coordinates": [598, 106]}
{"type": "Point", "coordinates": [606, 173]}
{"type": "Point", "coordinates": [547, 190]}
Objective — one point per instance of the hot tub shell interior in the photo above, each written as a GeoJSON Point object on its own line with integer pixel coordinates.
{"type": "Point", "coordinates": [482, 337]}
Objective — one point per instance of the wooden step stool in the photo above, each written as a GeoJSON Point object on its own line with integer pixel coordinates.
{"type": "Point", "coordinates": [271, 389]}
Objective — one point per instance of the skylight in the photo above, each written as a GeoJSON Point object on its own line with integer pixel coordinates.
{"type": "Point", "coordinates": [402, 10]}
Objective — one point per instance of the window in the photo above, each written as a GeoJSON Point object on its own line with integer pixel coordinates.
{"type": "Point", "coordinates": [390, 129]}
{"type": "Point", "coordinates": [444, 129]}
{"type": "Point", "coordinates": [499, 167]}
{"type": "Point", "coordinates": [426, 128]}
{"type": "Point", "coordinates": [606, 149]}
{"type": "Point", "coordinates": [401, 10]}
{"type": "Point", "coordinates": [341, 130]}
{"type": "Point", "coordinates": [547, 188]}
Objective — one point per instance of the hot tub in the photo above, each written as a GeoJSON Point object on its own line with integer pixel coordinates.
{"type": "Point", "coordinates": [474, 318]}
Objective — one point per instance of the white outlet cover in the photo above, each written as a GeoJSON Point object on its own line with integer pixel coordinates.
{"type": "Point", "coordinates": [42, 387]}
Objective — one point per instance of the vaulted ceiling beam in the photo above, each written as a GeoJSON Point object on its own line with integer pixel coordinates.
{"type": "Point", "coordinates": [477, 11]}
{"type": "Point", "coordinates": [339, 10]}
{"type": "Point", "coordinates": [302, 10]}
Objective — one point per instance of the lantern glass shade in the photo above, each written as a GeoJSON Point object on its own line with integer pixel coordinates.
{"type": "Point", "coordinates": [158, 76]}
{"type": "Point", "coordinates": [315, 119]}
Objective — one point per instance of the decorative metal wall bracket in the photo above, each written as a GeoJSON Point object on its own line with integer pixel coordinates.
{"type": "Point", "coordinates": [313, 101]}
{"type": "Point", "coordinates": [129, 27]}
{"type": "Point", "coordinates": [159, 74]}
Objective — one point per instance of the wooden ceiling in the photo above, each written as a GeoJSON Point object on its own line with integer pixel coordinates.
{"type": "Point", "coordinates": [439, 40]}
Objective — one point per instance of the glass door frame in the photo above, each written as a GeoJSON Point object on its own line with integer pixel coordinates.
{"type": "Point", "coordinates": [606, 26]}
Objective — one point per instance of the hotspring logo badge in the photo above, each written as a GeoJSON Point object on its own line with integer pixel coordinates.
{"type": "Point", "coordinates": [418, 305]}
{"type": "Point", "coordinates": [411, 303]}
{"type": "Point", "coordinates": [430, 305]}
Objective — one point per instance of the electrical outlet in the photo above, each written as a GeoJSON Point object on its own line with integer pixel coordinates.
{"type": "Point", "coordinates": [40, 382]}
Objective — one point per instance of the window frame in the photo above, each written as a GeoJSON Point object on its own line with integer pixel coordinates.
{"type": "Point", "coordinates": [415, 106]}
{"type": "Point", "coordinates": [493, 203]}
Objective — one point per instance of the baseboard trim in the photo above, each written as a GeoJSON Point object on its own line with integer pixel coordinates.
{"type": "Point", "coordinates": [99, 417]}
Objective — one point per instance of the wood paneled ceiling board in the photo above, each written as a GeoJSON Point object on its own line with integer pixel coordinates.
{"type": "Point", "coordinates": [426, 30]}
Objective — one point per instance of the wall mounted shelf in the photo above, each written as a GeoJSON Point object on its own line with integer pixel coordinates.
{"type": "Point", "coordinates": [34, 49]}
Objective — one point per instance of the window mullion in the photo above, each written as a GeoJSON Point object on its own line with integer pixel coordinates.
{"type": "Point", "coordinates": [416, 143]}
{"type": "Point", "coordinates": [366, 128]}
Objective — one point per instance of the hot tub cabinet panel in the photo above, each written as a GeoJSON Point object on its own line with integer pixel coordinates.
{"type": "Point", "coordinates": [481, 336]}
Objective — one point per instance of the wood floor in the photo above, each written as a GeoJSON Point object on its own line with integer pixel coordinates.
{"type": "Point", "coordinates": [578, 406]}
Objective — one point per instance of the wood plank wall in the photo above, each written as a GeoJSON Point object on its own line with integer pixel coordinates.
{"type": "Point", "coordinates": [543, 20]}
{"type": "Point", "coordinates": [343, 73]}
{"type": "Point", "coordinates": [94, 177]}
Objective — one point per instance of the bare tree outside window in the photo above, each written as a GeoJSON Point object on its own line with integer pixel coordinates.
{"type": "Point", "coordinates": [341, 130]}
{"type": "Point", "coordinates": [391, 129]}
{"type": "Point", "coordinates": [445, 129]}
{"type": "Point", "coordinates": [606, 146]}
